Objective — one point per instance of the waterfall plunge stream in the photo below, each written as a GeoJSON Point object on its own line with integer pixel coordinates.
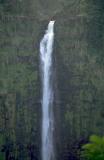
{"type": "Point", "coordinates": [46, 48]}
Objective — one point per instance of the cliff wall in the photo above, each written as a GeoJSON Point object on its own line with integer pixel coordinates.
{"type": "Point", "coordinates": [78, 70]}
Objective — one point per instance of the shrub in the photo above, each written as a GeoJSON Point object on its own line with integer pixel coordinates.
{"type": "Point", "coordinates": [94, 150]}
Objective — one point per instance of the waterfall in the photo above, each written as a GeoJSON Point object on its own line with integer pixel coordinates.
{"type": "Point", "coordinates": [46, 48]}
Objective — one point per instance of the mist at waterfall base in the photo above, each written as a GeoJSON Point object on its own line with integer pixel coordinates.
{"type": "Point", "coordinates": [46, 49]}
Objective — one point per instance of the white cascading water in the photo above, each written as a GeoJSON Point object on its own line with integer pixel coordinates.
{"type": "Point", "coordinates": [46, 48]}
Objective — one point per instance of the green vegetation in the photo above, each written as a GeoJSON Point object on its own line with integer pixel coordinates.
{"type": "Point", "coordinates": [94, 150]}
{"type": "Point", "coordinates": [1, 157]}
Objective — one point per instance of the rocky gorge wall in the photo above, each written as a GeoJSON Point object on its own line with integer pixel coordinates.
{"type": "Point", "coordinates": [78, 70]}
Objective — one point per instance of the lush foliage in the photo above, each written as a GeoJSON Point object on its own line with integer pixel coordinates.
{"type": "Point", "coordinates": [94, 150]}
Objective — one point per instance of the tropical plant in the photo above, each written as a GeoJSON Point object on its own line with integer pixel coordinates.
{"type": "Point", "coordinates": [94, 150]}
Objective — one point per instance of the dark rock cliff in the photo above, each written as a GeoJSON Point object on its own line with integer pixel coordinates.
{"type": "Point", "coordinates": [78, 69]}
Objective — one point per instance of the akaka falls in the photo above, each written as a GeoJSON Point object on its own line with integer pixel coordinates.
{"type": "Point", "coordinates": [46, 49]}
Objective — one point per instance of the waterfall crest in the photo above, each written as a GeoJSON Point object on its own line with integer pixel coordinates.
{"type": "Point", "coordinates": [46, 48]}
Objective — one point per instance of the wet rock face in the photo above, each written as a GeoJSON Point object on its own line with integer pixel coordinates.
{"type": "Point", "coordinates": [78, 60]}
